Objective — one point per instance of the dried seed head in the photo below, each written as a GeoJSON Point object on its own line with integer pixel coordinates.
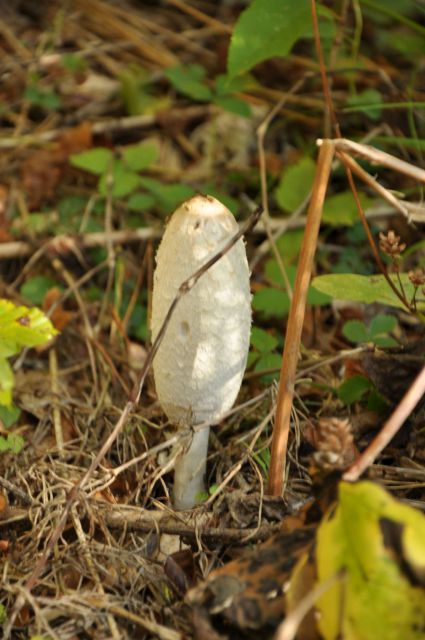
{"type": "Point", "coordinates": [390, 244]}
{"type": "Point", "coordinates": [417, 277]}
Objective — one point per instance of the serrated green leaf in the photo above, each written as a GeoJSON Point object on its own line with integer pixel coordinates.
{"type": "Point", "coordinates": [140, 156]}
{"type": "Point", "coordinates": [355, 331]}
{"type": "Point", "coordinates": [95, 161]}
{"type": "Point", "coordinates": [267, 28]}
{"type": "Point", "coordinates": [295, 184]}
{"type": "Point", "coordinates": [34, 289]}
{"type": "Point", "coordinates": [368, 289]}
{"type": "Point", "coordinates": [379, 543]}
{"type": "Point", "coordinates": [353, 389]}
{"type": "Point", "coordinates": [189, 81]}
{"type": "Point", "coordinates": [262, 340]}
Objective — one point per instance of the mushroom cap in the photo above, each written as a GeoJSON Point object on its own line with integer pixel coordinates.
{"type": "Point", "coordinates": [200, 363]}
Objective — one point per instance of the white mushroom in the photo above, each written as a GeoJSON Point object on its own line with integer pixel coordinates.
{"type": "Point", "coordinates": [200, 363]}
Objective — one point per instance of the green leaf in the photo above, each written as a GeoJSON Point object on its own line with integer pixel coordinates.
{"type": "Point", "coordinates": [9, 415]}
{"type": "Point", "coordinates": [355, 331]}
{"type": "Point", "coordinates": [262, 340]}
{"type": "Point", "coordinates": [125, 181]}
{"type": "Point", "coordinates": [34, 289]}
{"type": "Point", "coordinates": [13, 443]}
{"type": "Point", "coordinates": [273, 272]}
{"type": "Point", "coordinates": [140, 202]}
{"type": "Point", "coordinates": [168, 196]}
{"type": "Point", "coordinates": [295, 184]}
{"type": "Point", "coordinates": [233, 105]}
{"type": "Point", "coordinates": [353, 389]}
{"type": "Point", "coordinates": [384, 342]}
{"type": "Point", "coordinates": [22, 327]}
{"type": "Point", "coordinates": [341, 208]}
{"type": "Point", "coordinates": [188, 80]}
{"type": "Point", "coordinates": [379, 543]}
{"type": "Point", "coordinates": [140, 156]}
{"type": "Point", "coordinates": [44, 98]}
{"type": "Point", "coordinates": [268, 361]}
{"type": "Point", "coordinates": [225, 85]}
{"type": "Point", "coordinates": [96, 161]}
{"type": "Point", "coordinates": [289, 245]}
{"type": "Point", "coordinates": [368, 102]}
{"type": "Point", "coordinates": [272, 302]}
{"type": "Point", "coordinates": [6, 382]}
{"type": "Point", "coordinates": [267, 28]}
{"type": "Point", "coordinates": [368, 289]}
{"type": "Point", "coordinates": [382, 324]}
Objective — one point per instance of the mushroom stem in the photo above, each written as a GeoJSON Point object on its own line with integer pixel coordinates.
{"type": "Point", "coordinates": [190, 470]}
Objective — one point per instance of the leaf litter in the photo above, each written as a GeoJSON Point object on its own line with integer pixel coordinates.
{"type": "Point", "coordinates": [89, 75]}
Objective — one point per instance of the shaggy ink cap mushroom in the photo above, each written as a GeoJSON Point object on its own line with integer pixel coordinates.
{"type": "Point", "coordinates": [200, 363]}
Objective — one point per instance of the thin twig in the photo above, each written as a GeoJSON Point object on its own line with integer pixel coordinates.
{"type": "Point", "coordinates": [390, 428]}
{"type": "Point", "coordinates": [376, 156]}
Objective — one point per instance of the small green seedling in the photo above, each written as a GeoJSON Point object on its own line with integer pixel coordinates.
{"type": "Point", "coordinates": [265, 354]}
{"type": "Point", "coordinates": [141, 192]}
{"type": "Point", "coordinates": [377, 332]}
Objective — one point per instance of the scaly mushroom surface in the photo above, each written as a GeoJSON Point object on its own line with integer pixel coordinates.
{"type": "Point", "coordinates": [200, 363]}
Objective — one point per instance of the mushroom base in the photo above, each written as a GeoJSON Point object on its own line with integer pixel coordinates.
{"type": "Point", "coordinates": [190, 471]}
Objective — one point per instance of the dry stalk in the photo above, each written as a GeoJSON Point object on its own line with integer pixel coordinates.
{"type": "Point", "coordinates": [390, 428]}
{"type": "Point", "coordinates": [296, 319]}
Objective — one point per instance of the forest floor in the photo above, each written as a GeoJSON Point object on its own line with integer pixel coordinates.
{"type": "Point", "coordinates": [113, 559]}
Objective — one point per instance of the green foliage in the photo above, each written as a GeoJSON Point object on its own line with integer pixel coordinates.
{"type": "Point", "coordinates": [354, 389]}
{"type": "Point", "coordinates": [263, 460]}
{"type": "Point", "coordinates": [13, 443]}
{"type": "Point", "coordinates": [190, 80]}
{"type": "Point", "coordinates": [9, 415]}
{"type": "Point", "coordinates": [368, 102]}
{"type": "Point", "coordinates": [96, 161]}
{"type": "Point", "coordinates": [341, 209]}
{"type": "Point", "coordinates": [34, 289]}
{"type": "Point", "coordinates": [137, 92]}
{"type": "Point", "coordinates": [264, 354]}
{"type": "Point", "coordinates": [376, 333]}
{"type": "Point", "coordinates": [295, 184]}
{"type": "Point", "coordinates": [379, 544]}
{"type": "Point", "coordinates": [267, 28]}
{"type": "Point", "coordinates": [19, 327]}
{"type": "Point", "coordinates": [142, 192]}
{"type": "Point", "coordinates": [39, 96]}
{"type": "Point", "coordinates": [273, 302]}
{"type": "Point", "coordinates": [368, 289]}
